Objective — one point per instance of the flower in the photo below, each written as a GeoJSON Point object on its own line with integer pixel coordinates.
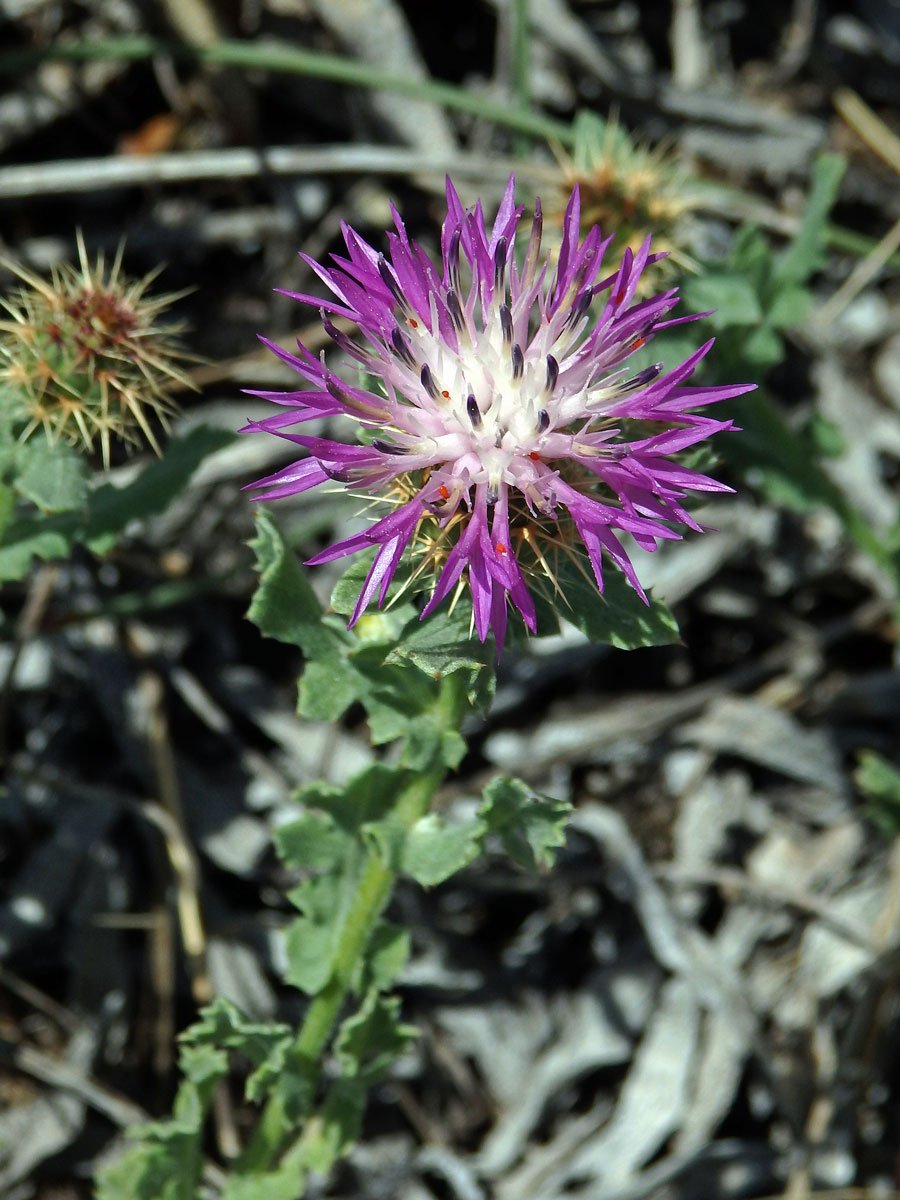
{"type": "Point", "coordinates": [85, 356]}
{"type": "Point", "coordinates": [506, 428]}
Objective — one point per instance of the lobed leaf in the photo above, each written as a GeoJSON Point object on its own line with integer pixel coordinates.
{"type": "Point", "coordinates": [386, 955]}
{"type": "Point", "coordinates": [284, 606]}
{"type": "Point", "coordinates": [287, 1183]}
{"type": "Point", "coordinates": [530, 826]}
{"type": "Point", "coordinates": [366, 1045]}
{"type": "Point", "coordinates": [618, 617]}
{"type": "Point", "coordinates": [436, 848]}
{"type": "Point", "coordinates": [54, 477]}
{"type": "Point", "coordinates": [110, 509]}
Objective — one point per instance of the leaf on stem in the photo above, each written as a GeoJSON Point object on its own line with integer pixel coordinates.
{"type": "Point", "coordinates": [530, 826]}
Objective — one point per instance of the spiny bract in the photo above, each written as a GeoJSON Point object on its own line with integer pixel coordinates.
{"type": "Point", "coordinates": [85, 358]}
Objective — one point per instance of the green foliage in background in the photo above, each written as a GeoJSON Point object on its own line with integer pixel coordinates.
{"type": "Point", "coordinates": [50, 503]}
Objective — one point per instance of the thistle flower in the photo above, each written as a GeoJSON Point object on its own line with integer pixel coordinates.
{"type": "Point", "coordinates": [85, 357]}
{"type": "Point", "coordinates": [508, 428]}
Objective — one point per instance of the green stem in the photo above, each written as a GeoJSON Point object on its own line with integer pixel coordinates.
{"type": "Point", "coordinates": [373, 892]}
{"type": "Point", "coordinates": [520, 65]}
{"type": "Point", "coordinates": [520, 54]}
{"type": "Point", "coordinates": [853, 242]}
{"type": "Point", "coordinates": [293, 61]}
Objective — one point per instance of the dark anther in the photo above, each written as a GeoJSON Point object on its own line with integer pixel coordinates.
{"type": "Point", "coordinates": [339, 338]}
{"type": "Point", "coordinates": [543, 420]}
{"type": "Point", "coordinates": [493, 496]}
{"type": "Point", "coordinates": [390, 282]}
{"type": "Point", "coordinates": [428, 382]}
{"type": "Point", "coordinates": [454, 308]}
{"type": "Point", "coordinates": [388, 447]}
{"type": "Point", "coordinates": [580, 307]}
{"type": "Point", "coordinates": [339, 476]}
{"type": "Point", "coordinates": [534, 241]}
{"type": "Point", "coordinates": [506, 323]}
{"type": "Point", "coordinates": [334, 388]}
{"type": "Point", "coordinates": [552, 373]}
{"type": "Point", "coordinates": [453, 260]}
{"type": "Point", "coordinates": [518, 362]}
{"type": "Point", "coordinates": [401, 346]}
{"type": "Point", "coordinates": [474, 412]}
{"type": "Point", "coordinates": [642, 378]}
{"type": "Point", "coordinates": [500, 262]}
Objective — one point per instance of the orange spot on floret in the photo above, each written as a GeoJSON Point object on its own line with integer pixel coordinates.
{"type": "Point", "coordinates": [444, 491]}
{"type": "Point", "coordinates": [500, 547]}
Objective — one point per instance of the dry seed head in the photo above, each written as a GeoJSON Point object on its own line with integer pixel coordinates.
{"type": "Point", "coordinates": [85, 357]}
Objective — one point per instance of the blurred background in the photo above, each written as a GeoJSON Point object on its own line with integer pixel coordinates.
{"type": "Point", "coordinates": [701, 1000]}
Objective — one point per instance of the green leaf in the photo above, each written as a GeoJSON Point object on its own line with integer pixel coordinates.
{"type": "Point", "coordinates": [30, 537]}
{"type": "Point", "coordinates": [825, 436]}
{"type": "Point", "coordinates": [107, 510]}
{"type": "Point", "coordinates": [877, 777]}
{"type": "Point", "coordinates": [313, 840]}
{"type": "Point", "coordinates": [274, 1071]}
{"type": "Point", "coordinates": [335, 1130]}
{"type": "Point", "coordinates": [311, 941]}
{"type": "Point", "coordinates": [7, 508]}
{"type": "Point", "coordinates": [368, 797]}
{"type": "Point", "coordinates": [731, 296]}
{"type": "Point", "coordinates": [165, 1163]}
{"type": "Point", "coordinates": [442, 643]}
{"type": "Point", "coordinates": [805, 254]}
{"type": "Point", "coordinates": [530, 826]}
{"type": "Point", "coordinates": [436, 848]}
{"type": "Point", "coordinates": [203, 1064]}
{"type": "Point", "coordinates": [783, 461]}
{"type": "Point", "coordinates": [223, 1026]}
{"type": "Point", "coordinates": [284, 606]}
{"type": "Point", "coordinates": [327, 689]}
{"type": "Point", "coordinates": [762, 349]}
{"type": "Point", "coordinates": [376, 625]}
{"type": "Point", "coordinates": [143, 1172]}
{"type": "Point", "coordinates": [265, 1045]}
{"type": "Point", "coordinates": [53, 477]}
{"type": "Point", "coordinates": [372, 1038]}
{"type": "Point", "coordinates": [879, 780]}
{"type": "Point", "coordinates": [789, 307]}
{"type": "Point", "coordinates": [338, 838]}
{"type": "Point", "coordinates": [392, 694]}
{"type": "Point", "coordinates": [366, 1045]}
{"type": "Point", "coordinates": [383, 647]}
{"type": "Point", "coordinates": [386, 955]}
{"type": "Point", "coordinates": [426, 743]}
{"type": "Point", "coordinates": [344, 668]}
{"type": "Point", "coordinates": [619, 616]}
{"type": "Point", "coordinates": [751, 255]}
{"type": "Point", "coordinates": [111, 508]}
{"type": "Point", "coordinates": [287, 1183]}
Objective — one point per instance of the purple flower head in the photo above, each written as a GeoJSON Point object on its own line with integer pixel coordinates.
{"type": "Point", "coordinates": [508, 426]}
